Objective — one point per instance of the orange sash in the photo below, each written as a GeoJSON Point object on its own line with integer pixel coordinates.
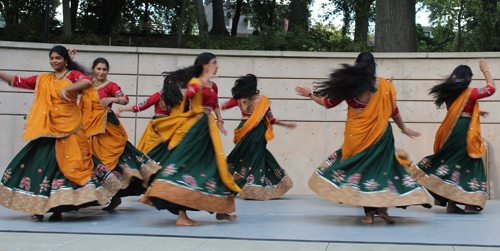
{"type": "Point", "coordinates": [51, 117]}
{"type": "Point", "coordinates": [475, 146]}
{"type": "Point", "coordinates": [107, 141]}
{"type": "Point", "coordinates": [257, 115]}
{"type": "Point", "coordinates": [175, 127]}
{"type": "Point", "coordinates": [364, 129]}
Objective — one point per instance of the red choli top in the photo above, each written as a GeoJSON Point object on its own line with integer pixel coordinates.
{"type": "Point", "coordinates": [234, 102]}
{"type": "Point", "coordinates": [210, 99]}
{"type": "Point", "coordinates": [30, 82]}
{"type": "Point", "coordinates": [330, 103]}
{"type": "Point", "coordinates": [110, 89]}
{"type": "Point", "coordinates": [155, 100]}
{"type": "Point", "coordinates": [475, 94]}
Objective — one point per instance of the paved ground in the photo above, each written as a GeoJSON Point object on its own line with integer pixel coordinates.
{"type": "Point", "coordinates": [290, 223]}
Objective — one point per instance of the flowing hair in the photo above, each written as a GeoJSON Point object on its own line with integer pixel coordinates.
{"type": "Point", "coordinates": [245, 87]}
{"type": "Point", "coordinates": [448, 91]}
{"type": "Point", "coordinates": [171, 93]}
{"type": "Point", "coordinates": [71, 65]}
{"type": "Point", "coordinates": [350, 81]}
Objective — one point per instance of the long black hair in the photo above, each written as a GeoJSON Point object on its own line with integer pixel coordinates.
{"type": "Point", "coordinates": [195, 70]}
{"type": "Point", "coordinates": [71, 65]}
{"type": "Point", "coordinates": [350, 81]}
{"type": "Point", "coordinates": [448, 91]}
{"type": "Point", "coordinates": [171, 93]}
{"type": "Point", "coordinates": [245, 87]}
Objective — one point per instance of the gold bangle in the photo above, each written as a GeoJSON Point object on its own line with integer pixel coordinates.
{"type": "Point", "coordinates": [403, 129]}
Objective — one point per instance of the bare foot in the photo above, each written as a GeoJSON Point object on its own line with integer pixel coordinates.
{"type": "Point", "coordinates": [56, 216]}
{"type": "Point", "coordinates": [470, 209]}
{"type": "Point", "coordinates": [382, 212]}
{"type": "Point", "coordinates": [115, 202]}
{"type": "Point", "coordinates": [183, 220]}
{"type": "Point", "coordinates": [229, 217]}
{"type": "Point", "coordinates": [452, 208]}
{"type": "Point", "coordinates": [369, 218]}
{"type": "Point", "coordinates": [36, 216]}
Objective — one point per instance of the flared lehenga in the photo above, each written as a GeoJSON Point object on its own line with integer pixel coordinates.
{"type": "Point", "coordinates": [264, 177]}
{"type": "Point", "coordinates": [451, 174]}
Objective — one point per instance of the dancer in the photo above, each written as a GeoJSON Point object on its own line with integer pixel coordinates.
{"type": "Point", "coordinates": [195, 176]}
{"type": "Point", "coordinates": [365, 171]}
{"type": "Point", "coordinates": [455, 173]}
{"type": "Point", "coordinates": [109, 140]}
{"type": "Point", "coordinates": [265, 179]}
{"type": "Point", "coordinates": [165, 102]}
{"type": "Point", "coordinates": [55, 172]}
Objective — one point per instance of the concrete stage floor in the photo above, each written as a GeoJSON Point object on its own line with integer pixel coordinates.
{"type": "Point", "coordinates": [305, 222]}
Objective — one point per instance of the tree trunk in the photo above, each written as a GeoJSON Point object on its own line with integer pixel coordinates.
{"type": "Point", "coordinates": [236, 19]}
{"type": "Point", "coordinates": [459, 34]}
{"type": "Point", "coordinates": [66, 19]}
{"type": "Point", "coordinates": [181, 23]}
{"type": "Point", "coordinates": [113, 8]}
{"type": "Point", "coordinates": [395, 29]}
{"type": "Point", "coordinates": [219, 25]}
{"type": "Point", "coordinates": [74, 12]}
{"type": "Point", "coordinates": [202, 23]}
{"type": "Point", "coordinates": [295, 15]}
{"type": "Point", "coordinates": [362, 12]}
{"type": "Point", "coordinates": [347, 18]}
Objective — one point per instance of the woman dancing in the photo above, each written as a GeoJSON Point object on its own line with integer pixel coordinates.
{"type": "Point", "coordinates": [265, 179]}
{"type": "Point", "coordinates": [455, 173]}
{"type": "Point", "coordinates": [195, 176]}
{"type": "Point", "coordinates": [55, 172]}
{"type": "Point", "coordinates": [109, 140]}
{"type": "Point", "coordinates": [165, 102]}
{"type": "Point", "coordinates": [365, 171]}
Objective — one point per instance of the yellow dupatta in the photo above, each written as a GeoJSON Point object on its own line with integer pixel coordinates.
{"type": "Point", "coordinates": [257, 115]}
{"type": "Point", "coordinates": [107, 141]}
{"type": "Point", "coordinates": [53, 118]}
{"type": "Point", "coordinates": [475, 144]}
{"type": "Point", "coordinates": [364, 129]}
{"type": "Point", "coordinates": [175, 127]}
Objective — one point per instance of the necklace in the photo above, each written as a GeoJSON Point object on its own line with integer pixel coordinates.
{"type": "Point", "coordinates": [61, 77]}
{"type": "Point", "coordinates": [209, 85]}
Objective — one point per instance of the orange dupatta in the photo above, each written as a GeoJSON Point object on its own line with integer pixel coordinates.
{"type": "Point", "coordinates": [257, 115]}
{"type": "Point", "coordinates": [475, 146]}
{"type": "Point", "coordinates": [53, 118]}
{"type": "Point", "coordinates": [175, 127]}
{"type": "Point", "coordinates": [364, 129]}
{"type": "Point", "coordinates": [107, 141]}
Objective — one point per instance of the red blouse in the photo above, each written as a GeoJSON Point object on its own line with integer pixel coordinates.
{"type": "Point", "coordinates": [475, 94]}
{"type": "Point", "coordinates": [210, 99]}
{"type": "Point", "coordinates": [110, 89]}
{"type": "Point", "coordinates": [234, 102]}
{"type": "Point", "coordinates": [155, 100]}
{"type": "Point", "coordinates": [330, 103]}
{"type": "Point", "coordinates": [30, 82]}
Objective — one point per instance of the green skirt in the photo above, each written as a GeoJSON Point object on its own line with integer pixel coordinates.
{"type": "Point", "coordinates": [265, 179]}
{"type": "Point", "coordinates": [33, 184]}
{"type": "Point", "coordinates": [450, 174]}
{"type": "Point", "coordinates": [371, 178]}
{"type": "Point", "coordinates": [134, 168]}
{"type": "Point", "coordinates": [189, 178]}
{"type": "Point", "coordinates": [159, 153]}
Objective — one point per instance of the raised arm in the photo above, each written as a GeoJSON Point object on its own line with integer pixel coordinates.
{"type": "Point", "coordinates": [487, 75]}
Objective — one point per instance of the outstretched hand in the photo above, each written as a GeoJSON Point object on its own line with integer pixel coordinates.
{"type": "Point", "coordinates": [302, 91]}
{"type": "Point", "coordinates": [484, 114]}
{"type": "Point", "coordinates": [63, 96]}
{"type": "Point", "coordinates": [72, 53]}
{"type": "Point", "coordinates": [483, 65]}
{"type": "Point", "coordinates": [220, 125]}
{"type": "Point", "coordinates": [410, 133]}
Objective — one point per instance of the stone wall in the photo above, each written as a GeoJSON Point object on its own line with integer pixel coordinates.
{"type": "Point", "coordinates": [319, 131]}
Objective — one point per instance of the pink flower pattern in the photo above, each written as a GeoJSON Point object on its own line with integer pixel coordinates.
{"type": "Point", "coordinates": [455, 176]}
{"type": "Point", "coordinates": [169, 170]}
{"type": "Point", "coordinates": [371, 184]}
{"type": "Point", "coordinates": [473, 184]}
{"type": "Point", "coordinates": [354, 178]}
